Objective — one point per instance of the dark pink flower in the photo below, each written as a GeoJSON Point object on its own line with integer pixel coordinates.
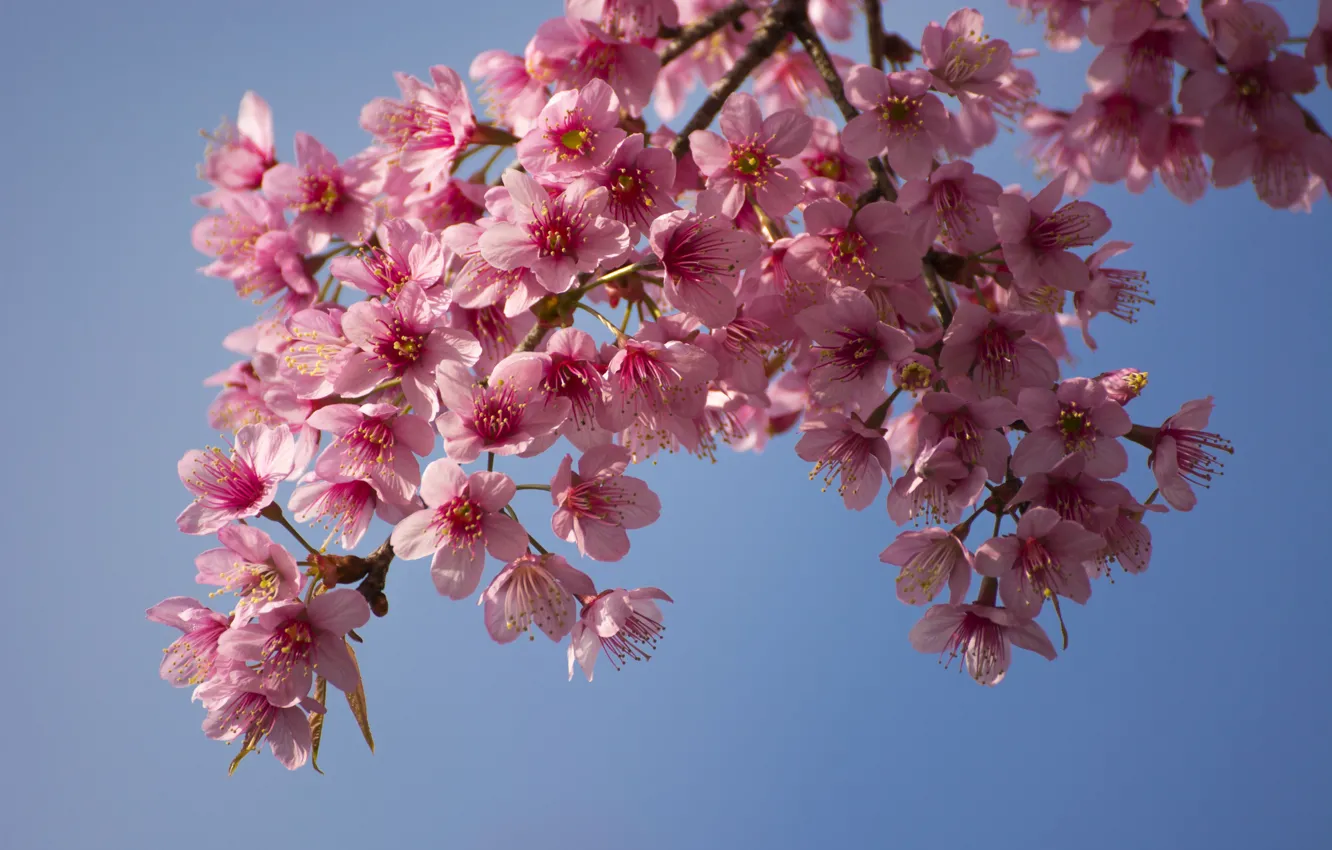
{"type": "Point", "coordinates": [855, 249]}
{"type": "Point", "coordinates": [407, 253]}
{"type": "Point", "coordinates": [998, 347]}
{"type": "Point", "coordinates": [534, 590]}
{"type": "Point", "coordinates": [374, 442]}
{"type": "Point", "coordinates": [478, 284]}
{"type": "Point", "coordinates": [1113, 129]}
{"type": "Point", "coordinates": [1182, 168]}
{"type": "Point", "coordinates": [429, 127]}
{"type": "Point", "coordinates": [236, 485]}
{"type": "Point", "coordinates": [898, 115]}
{"type": "Point", "coordinates": [1117, 292]}
{"type": "Point", "coordinates": [1054, 152]}
{"type": "Point", "coordinates": [1183, 454]}
{"type": "Point", "coordinates": [571, 52]}
{"type": "Point", "coordinates": [573, 372]}
{"type": "Point", "coordinates": [1122, 385]}
{"type": "Point", "coordinates": [845, 447]}
{"type": "Point", "coordinates": [983, 635]}
{"type": "Point", "coordinates": [650, 379]}
{"type": "Point", "coordinates": [237, 157]}
{"type": "Point", "coordinates": [462, 521]}
{"type": "Point", "coordinates": [930, 560]}
{"type": "Point", "coordinates": [510, 414]}
{"type": "Point", "coordinates": [254, 250]}
{"type": "Point", "coordinates": [748, 162]}
{"type": "Point", "coordinates": [624, 624]}
{"type": "Point", "coordinates": [960, 201]}
{"type": "Point", "coordinates": [329, 198]}
{"type": "Point", "coordinates": [1044, 557]}
{"type": "Point", "coordinates": [974, 423]}
{"type": "Point", "coordinates": [240, 704]}
{"type": "Point", "coordinates": [856, 351]}
{"type": "Point", "coordinates": [1144, 68]}
{"type": "Point", "coordinates": [192, 658]}
{"type": "Point", "coordinates": [1077, 417]}
{"type": "Point", "coordinates": [824, 157]}
{"type": "Point", "coordinates": [961, 57]}
{"type": "Point", "coordinates": [598, 503]}
{"type": "Point", "coordinates": [639, 182]}
{"type": "Point", "coordinates": [1036, 237]}
{"type": "Point", "coordinates": [555, 238]}
{"type": "Point", "coordinates": [250, 565]}
{"type": "Point", "coordinates": [575, 133]}
{"type": "Point", "coordinates": [702, 257]}
{"type": "Point", "coordinates": [344, 505]}
{"type": "Point", "coordinates": [294, 640]}
{"type": "Point", "coordinates": [1122, 21]}
{"type": "Point", "coordinates": [937, 486]}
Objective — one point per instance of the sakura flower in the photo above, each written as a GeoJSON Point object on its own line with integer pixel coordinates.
{"type": "Point", "coordinates": [574, 52]}
{"type": "Point", "coordinates": [573, 372]}
{"type": "Point", "coordinates": [250, 565]}
{"type": "Point", "coordinates": [748, 162]}
{"type": "Point", "coordinates": [514, 96]}
{"type": "Point", "coordinates": [624, 624]}
{"type": "Point", "coordinates": [937, 487]}
{"type": "Point", "coordinates": [236, 485]}
{"type": "Point", "coordinates": [825, 157]}
{"type": "Point", "coordinates": [1280, 163]}
{"type": "Point", "coordinates": [961, 57]}
{"type": "Point", "coordinates": [313, 352]}
{"type": "Point", "coordinates": [856, 351]}
{"type": "Point", "coordinates": [293, 640]}
{"type": "Point", "coordinates": [1079, 417]}
{"type": "Point", "coordinates": [534, 590]}
{"type": "Point", "coordinates": [376, 443]}
{"type": "Point", "coordinates": [876, 241]}
{"type": "Point", "coordinates": [649, 379]}
{"type": "Point", "coordinates": [461, 521]}
{"type": "Point", "coordinates": [1183, 454]}
{"type": "Point", "coordinates": [575, 132]}
{"type": "Point", "coordinates": [510, 414]}
{"type": "Point", "coordinates": [237, 157]}
{"type": "Point", "coordinates": [555, 238]}
{"type": "Point", "coordinates": [1043, 558]}
{"type": "Point", "coordinates": [598, 503]}
{"type": "Point", "coordinates": [1113, 129]}
{"type": "Point", "coordinates": [401, 340]}
{"type": "Point", "coordinates": [239, 704]}
{"type": "Point", "coordinates": [845, 447]}
{"type": "Point", "coordinates": [329, 198]}
{"type": "Point", "coordinates": [832, 18]}
{"type": "Point", "coordinates": [429, 127]}
{"type": "Point", "coordinates": [960, 201]}
{"type": "Point", "coordinates": [191, 659]}
{"type": "Point", "coordinates": [972, 422]}
{"type": "Point", "coordinates": [929, 559]}
{"type": "Point", "coordinates": [1122, 385]}
{"type": "Point", "coordinates": [407, 253]}
{"type": "Point", "coordinates": [703, 258]}
{"type": "Point", "coordinates": [1122, 21]}
{"type": "Point", "coordinates": [983, 635]}
{"type": "Point", "coordinates": [1036, 237]}
{"type": "Point", "coordinates": [1318, 50]}
{"type": "Point", "coordinates": [344, 505]}
{"type": "Point", "coordinates": [999, 348]}
{"type": "Point", "coordinates": [254, 249]}
{"type": "Point", "coordinates": [898, 115]}
{"type": "Point", "coordinates": [478, 284]}
{"type": "Point", "coordinates": [639, 181]}
{"type": "Point", "coordinates": [1182, 168]}
{"type": "Point", "coordinates": [1144, 68]}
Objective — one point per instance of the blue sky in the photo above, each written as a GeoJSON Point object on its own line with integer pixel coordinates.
{"type": "Point", "coordinates": [785, 708]}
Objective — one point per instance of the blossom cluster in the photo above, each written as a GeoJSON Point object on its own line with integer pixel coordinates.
{"type": "Point", "coordinates": [861, 285]}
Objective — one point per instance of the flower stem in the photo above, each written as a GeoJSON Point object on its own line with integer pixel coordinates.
{"type": "Point", "coordinates": [687, 36]}
{"type": "Point", "coordinates": [273, 511]}
{"type": "Point", "coordinates": [545, 487]}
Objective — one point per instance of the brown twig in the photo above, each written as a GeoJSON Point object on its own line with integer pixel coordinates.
{"type": "Point", "coordinates": [685, 37]}
{"type": "Point", "coordinates": [874, 23]}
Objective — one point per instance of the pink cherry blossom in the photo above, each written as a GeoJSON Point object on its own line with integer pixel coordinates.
{"type": "Point", "coordinates": [235, 485]}
{"type": "Point", "coordinates": [702, 257]}
{"type": "Point", "coordinates": [960, 202]}
{"type": "Point", "coordinates": [972, 422]}
{"type": "Point", "coordinates": [1114, 129]}
{"type": "Point", "coordinates": [1043, 558]}
{"type": "Point", "coordinates": [478, 284]}
{"type": "Point", "coordinates": [844, 447]}
{"type": "Point", "coordinates": [313, 352]}
{"type": "Point", "coordinates": [899, 116]}
{"type": "Point", "coordinates": [1036, 237]}
{"type": "Point", "coordinates": [936, 487]}
{"type": "Point", "coordinates": [1122, 385]}
{"type": "Point", "coordinates": [748, 162]}
{"type": "Point", "coordinates": [649, 379]}
{"type": "Point", "coordinates": [1078, 416]}
{"type": "Point", "coordinates": [407, 253]}
{"type": "Point", "coordinates": [344, 505]}
{"type": "Point", "coordinates": [534, 590]}
{"type": "Point", "coordinates": [598, 503]}
{"type": "Point", "coordinates": [825, 157]}
{"type": "Point", "coordinates": [294, 640]}
{"type": "Point", "coordinates": [575, 52]}
{"type": "Point", "coordinates": [961, 57]}
{"type": "Point", "coordinates": [1000, 349]}
{"type": "Point", "coordinates": [374, 442]}
{"type": "Point", "coordinates": [639, 181]}
{"type": "Point", "coordinates": [574, 372]}
{"type": "Point", "coordinates": [514, 96]}
{"type": "Point", "coordinates": [624, 624]}
{"type": "Point", "coordinates": [576, 131]}
{"type": "Point", "coordinates": [239, 704]}
{"type": "Point", "coordinates": [1183, 454]}
{"type": "Point", "coordinates": [429, 127]}
{"type": "Point", "coordinates": [250, 565]}
{"type": "Point", "coordinates": [328, 197]}
{"type": "Point", "coordinates": [983, 635]}
{"type": "Point", "coordinates": [462, 521]}
{"type": "Point", "coordinates": [238, 156]}
{"type": "Point", "coordinates": [254, 250]}
{"type": "Point", "coordinates": [856, 351]}
{"type": "Point", "coordinates": [509, 415]}
{"type": "Point", "coordinates": [854, 249]}
{"type": "Point", "coordinates": [191, 659]}
{"type": "Point", "coordinates": [930, 560]}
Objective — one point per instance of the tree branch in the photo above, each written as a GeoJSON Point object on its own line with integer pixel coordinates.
{"type": "Point", "coordinates": [874, 23]}
{"type": "Point", "coordinates": [687, 36]}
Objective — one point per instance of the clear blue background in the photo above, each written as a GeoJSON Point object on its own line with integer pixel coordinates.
{"type": "Point", "coordinates": [785, 708]}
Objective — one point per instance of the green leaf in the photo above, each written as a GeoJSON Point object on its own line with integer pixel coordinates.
{"type": "Point", "coordinates": [250, 746]}
{"type": "Point", "coordinates": [317, 723]}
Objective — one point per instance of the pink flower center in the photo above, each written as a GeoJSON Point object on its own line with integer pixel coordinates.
{"type": "Point", "coordinates": [997, 355]}
{"type": "Point", "coordinates": [1066, 227]}
{"type": "Point", "coordinates": [849, 456]}
{"type": "Point", "coordinates": [399, 346]}
{"type": "Point", "coordinates": [458, 521]}
{"type": "Point", "coordinates": [914, 376]}
{"type": "Point", "coordinates": [699, 251]}
{"type": "Point", "coordinates": [1195, 452]}
{"type": "Point", "coordinates": [289, 649]}
{"type": "Point", "coordinates": [571, 138]}
{"type": "Point", "coordinates": [533, 596]}
{"type": "Point", "coordinates": [928, 570]}
{"type": "Point", "coordinates": [251, 713]}
{"type": "Point", "coordinates": [554, 231]}
{"type": "Point", "coordinates": [226, 482]}
{"type": "Point", "coordinates": [319, 192]}
{"type": "Point", "coordinates": [1037, 567]}
{"type": "Point", "coordinates": [194, 654]}
{"type": "Point", "coordinates": [970, 445]}
{"type": "Point", "coordinates": [636, 635]}
{"type": "Point", "coordinates": [345, 503]}
{"type": "Point", "coordinates": [984, 648]}
{"type": "Point", "coordinates": [497, 412]}
{"type": "Point", "coordinates": [595, 499]}
{"type": "Point", "coordinates": [853, 358]}
{"type": "Point", "coordinates": [577, 380]}
{"type": "Point", "coordinates": [743, 338]}
{"type": "Point", "coordinates": [491, 327]}
{"type": "Point", "coordinates": [826, 165]}
{"type": "Point", "coordinates": [369, 444]}
{"type": "Point", "coordinates": [385, 269]}
{"type": "Point", "coordinates": [419, 127]}
{"type": "Point", "coordinates": [250, 582]}
{"type": "Point", "coordinates": [847, 252]}
{"type": "Point", "coordinates": [644, 377]}
{"type": "Point", "coordinates": [1076, 427]}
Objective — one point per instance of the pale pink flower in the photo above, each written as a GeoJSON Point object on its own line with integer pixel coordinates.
{"type": "Point", "coordinates": [575, 133]}
{"type": "Point", "coordinates": [702, 257]}
{"type": "Point", "coordinates": [253, 567]}
{"type": "Point", "coordinates": [191, 659]}
{"type": "Point", "coordinates": [374, 442]}
{"type": "Point", "coordinates": [407, 253]}
{"type": "Point", "coordinates": [936, 487]}
{"type": "Point", "coordinates": [983, 635]}
{"type": "Point", "coordinates": [573, 372]}
{"type": "Point", "coordinates": [1182, 168]}
{"type": "Point", "coordinates": [930, 560]}
{"type": "Point", "coordinates": [237, 157]}
{"type": "Point", "coordinates": [401, 340]}
{"type": "Point", "coordinates": [313, 351]}
{"type": "Point", "coordinates": [239, 704]}
{"type": "Point", "coordinates": [1261, 96]}
{"type": "Point", "coordinates": [1113, 129]}
{"type": "Point", "coordinates": [832, 17]}
{"type": "Point", "coordinates": [825, 157]}
{"type": "Point", "coordinates": [1065, 21]}
{"type": "Point", "coordinates": [855, 249]}
{"type": "Point", "coordinates": [959, 201]}
{"type": "Point", "coordinates": [1279, 163]}
{"type": "Point", "coordinates": [1117, 292]}
{"type": "Point", "coordinates": [630, 17]}
{"type": "Point", "coordinates": [1054, 152]}
{"type": "Point", "coordinates": [1145, 67]}
{"type": "Point", "coordinates": [440, 205]}
{"type": "Point", "coordinates": [478, 284]}
{"type": "Point", "coordinates": [1122, 21]}
{"type": "Point", "coordinates": [429, 127]}
{"type": "Point", "coordinates": [915, 372]}
{"type": "Point", "coordinates": [1183, 454]}
{"type": "Point", "coordinates": [624, 624]}
{"type": "Point", "coordinates": [898, 115]}
{"type": "Point", "coordinates": [1036, 237]}
{"type": "Point", "coordinates": [649, 379]}
{"type": "Point", "coordinates": [513, 95]}
{"type": "Point", "coordinates": [462, 520]}
{"type": "Point", "coordinates": [1044, 557]}
{"type": "Point", "coordinates": [1122, 385]}
{"type": "Point", "coordinates": [254, 249]}
{"type": "Point", "coordinates": [1244, 33]}
{"type": "Point", "coordinates": [555, 238]}
{"type": "Point", "coordinates": [974, 423]}
{"type": "Point", "coordinates": [961, 57]}
{"type": "Point", "coordinates": [856, 351]}
{"type": "Point", "coordinates": [639, 181]}
{"type": "Point", "coordinates": [749, 161]}
{"type": "Point", "coordinates": [510, 414]}
{"type": "Point", "coordinates": [238, 485]}
{"type": "Point", "coordinates": [845, 447]}
{"type": "Point", "coordinates": [497, 332]}
{"type": "Point", "coordinates": [1000, 349]}
{"type": "Point", "coordinates": [328, 197]}
{"type": "Point", "coordinates": [534, 590]}
{"type": "Point", "coordinates": [789, 80]}
{"type": "Point", "coordinates": [571, 52]}
{"type": "Point", "coordinates": [597, 504]}
{"type": "Point", "coordinates": [294, 640]}
{"type": "Point", "coordinates": [344, 505]}
{"type": "Point", "coordinates": [1078, 417]}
